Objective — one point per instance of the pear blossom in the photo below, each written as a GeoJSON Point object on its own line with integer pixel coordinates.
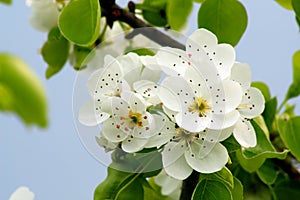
{"type": "Point", "coordinates": [22, 193]}
{"type": "Point", "coordinates": [252, 105]}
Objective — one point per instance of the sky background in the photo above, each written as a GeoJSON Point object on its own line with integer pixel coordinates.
{"type": "Point", "coordinates": [53, 163]}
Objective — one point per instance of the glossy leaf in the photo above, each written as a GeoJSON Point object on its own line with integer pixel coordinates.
{"type": "Point", "coordinates": [237, 190]}
{"type": "Point", "coordinates": [263, 88]}
{"type": "Point", "coordinates": [287, 4]}
{"type": "Point", "coordinates": [6, 98]}
{"type": "Point", "coordinates": [252, 158]}
{"type": "Point", "coordinates": [296, 7]}
{"type": "Point", "coordinates": [79, 21]}
{"type": "Point", "coordinates": [224, 175]}
{"type": "Point", "coordinates": [178, 12]}
{"type": "Point", "coordinates": [294, 89]}
{"type": "Point", "coordinates": [231, 144]}
{"type": "Point", "coordinates": [6, 1]}
{"type": "Point", "coordinates": [267, 172]}
{"type": "Point", "coordinates": [227, 19]}
{"type": "Point", "coordinates": [117, 183]}
{"type": "Point", "coordinates": [25, 90]}
{"type": "Point", "coordinates": [211, 190]}
{"type": "Point", "coordinates": [55, 52]}
{"type": "Point", "coordinates": [81, 56]}
{"type": "Point", "coordinates": [289, 133]}
{"type": "Point", "coordinates": [154, 11]}
{"type": "Point", "coordinates": [270, 112]}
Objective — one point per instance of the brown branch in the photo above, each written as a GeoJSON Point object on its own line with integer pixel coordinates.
{"type": "Point", "coordinates": [113, 12]}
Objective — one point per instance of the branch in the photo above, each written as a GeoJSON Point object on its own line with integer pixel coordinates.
{"type": "Point", "coordinates": [189, 185]}
{"type": "Point", "coordinates": [114, 12]}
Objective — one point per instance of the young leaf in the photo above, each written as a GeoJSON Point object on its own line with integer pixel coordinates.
{"type": "Point", "coordinates": [6, 1]}
{"type": "Point", "coordinates": [267, 172]}
{"type": "Point", "coordinates": [79, 21]}
{"type": "Point", "coordinates": [296, 7]}
{"type": "Point", "coordinates": [6, 98]}
{"type": "Point", "coordinates": [178, 12]}
{"type": "Point", "coordinates": [289, 133]}
{"type": "Point", "coordinates": [227, 19]}
{"type": "Point", "coordinates": [211, 190]}
{"type": "Point", "coordinates": [154, 11]}
{"type": "Point", "coordinates": [294, 89]}
{"type": "Point", "coordinates": [252, 158]}
{"type": "Point", "coordinates": [55, 52]}
{"type": "Point", "coordinates": [270, 112]}
{"type": "Point", "coordinates": [25, 90]}
{"type": "Point", "coordinates": [263, 88]}
{"type": "Point", "coordinates": [81, 56]}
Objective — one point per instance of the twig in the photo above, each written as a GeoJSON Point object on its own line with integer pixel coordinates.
{"type": "Point", "coordinates": [113, 12]}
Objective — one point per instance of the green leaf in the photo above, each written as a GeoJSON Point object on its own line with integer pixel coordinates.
{"type": "Point", "coordinates": [227, 19]}
{"type": "Point", "coordinates": [263, 88]}
{"type": "Point", "coordinates": [81, 56]}
{"type": "Point", "coordinates": [224, 175]}
{"type": "Point", "coordinates": [252, 158]}
{"type": "Point", "coordinates": [237, 191]}
{"type": "Point", "coordinates": [287, 4]}
{"type": "Point", "coordinates": [211, 190]}
{"type": "Point", "coordinates": [24, 89]}
{"type": "Point", "coordinates": [294, 89]}
{"type": "Point", "coordinates": [231, 144]}
{"type": "Point", "coordinates": [140, 51]}
{"type": "Point", "coordinates": [154, 11]}
{"type": "Point", "coordinates": [270, 112]}
{"type": "Point", "coordinates": [296, 7]}
{"type": "Point", "coordinates": [6, 98]}
{"type": "Point", "coordinates": [55, 52]}
{"type": "Point", "coordinates": [267, 172]}
{"type": "Point", "coordinates": [289, 133]}
{"type": "Point", "coordinates": [178, 12]}
{"type": "Point", "coordinates": [198, 1]}
{"type": "Point", "coordinates": [287, 190]}
{"type": "Point", "coordinates": [79, 21]}
{"type": "Point", "coordinates": [8, 2]}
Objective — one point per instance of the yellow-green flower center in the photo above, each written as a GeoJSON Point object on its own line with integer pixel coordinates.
{"type": "Point", "coordinates": [200, 106]}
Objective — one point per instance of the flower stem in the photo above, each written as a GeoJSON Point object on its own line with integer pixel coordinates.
{"type": "Point", "coordinates": [189, 185]}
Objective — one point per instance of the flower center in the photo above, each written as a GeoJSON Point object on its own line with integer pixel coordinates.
{"type": "Point", "coordinates": [201, 106]}
{"type": "Point", "coordinates": [135, 118]}
{"type": "Point", "coordinates": [184, 135]}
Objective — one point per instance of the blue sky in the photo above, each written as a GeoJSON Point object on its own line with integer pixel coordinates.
{"type": "Point", "coordinates": [53, 163]}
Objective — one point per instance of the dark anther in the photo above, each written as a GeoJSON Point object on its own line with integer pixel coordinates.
{"type": "Point", "coordinates": [131, 6]}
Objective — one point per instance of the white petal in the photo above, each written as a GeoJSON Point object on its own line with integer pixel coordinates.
{"type": "Point", "coordinates": [91, 114]}
{"type": "Point", "coordinates": [213, 162]}
{"type": "Point", "coordinates": [171, 114]}
{"type": "Point", "coordinates": [241, 73]}
{"type": "Point", "coordinates": [244, 133]}
{"type": "Point", "coordinates": [93, 81]}
{"type": "Point", "coordinates": [227, 97]}
{"type": "Point", "coordinates": [168, 184]}
{"type": "Point", "coordinates": [107, 145]}
{"type": "Point", "coordinates": [197, 81]}
{"type": "Point", "coordinates": [222, 55]}
{"type": "Point", "coordinates": [253, 103]}
{"type": "Point", "coordinates": [172, 152]}
{"type": "Point", "coordinates": [111, 132]}
{"type": "Point", "coordinates": [176, 94]}
{"type": "Point", "coordinates": [133, 144]}
{"type": "Point", "coordinates": [151, 75]}
{"type": "Point", "coordinates": [179, 169]}
{"type": "Point", "coordinates": [172, 61]}
{"type": "Point", "coordinates": [45, 18]}
{"type": "Point", "coordinates": [146, 88]}
{"type": "Point", "coordinates": [129, 62]}
{"type": "Point", "coordinates": [224, 121]}
{"type": "Point", "coordinates": [165, 131]}
{"type": "Point", "coordinates": [135, 101]}
{"type": "Point", "coordinates": [191, 121]}
{"type": "Point", "coordinates": [150, 62]}
{"type": "Point", "coordinates": [22, 193]}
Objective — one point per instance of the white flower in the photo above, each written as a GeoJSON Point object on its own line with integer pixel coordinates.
{"type": "Point", "coordinates": [130, 124]}
{"type": "Point", "coordinates": [252, 105]}
{"type": "Point", "coordinates": [183, 154]}
{"type": "Point", "coordinates": [107, 145]}
{"type": "Point", "coordinates": [22, 193]}
{"type": "Point", "coordinates": [199, 107]}
{"type": "Point", "coordinates": [170, 186]}
{"type": "Point", "coordinates": [44, 14]}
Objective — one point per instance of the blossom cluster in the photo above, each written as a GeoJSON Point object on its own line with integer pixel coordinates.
{"type": "Point", "coordinates": [183, 103]}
